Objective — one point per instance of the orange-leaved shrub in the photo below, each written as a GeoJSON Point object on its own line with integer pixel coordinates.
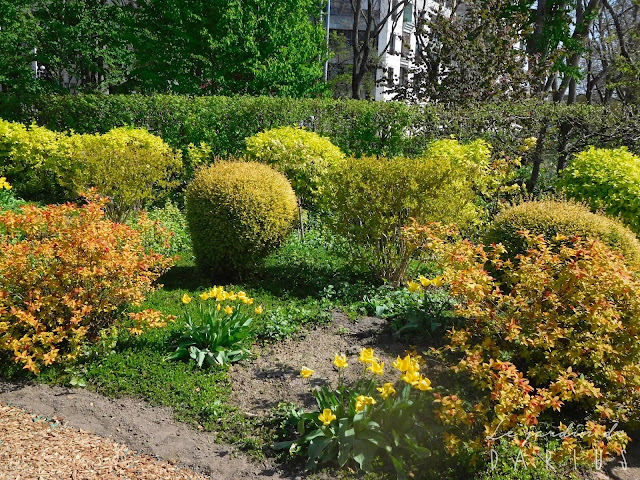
{"type": "Point", "coordinates": [65, 273]}
{"type": "Point", "coordinates": [549, 336]}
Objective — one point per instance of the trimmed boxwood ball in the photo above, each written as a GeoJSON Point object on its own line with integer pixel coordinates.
{"type": "Point", "coordinates": [549, 218]}
{"type": "Point", "coordinates": [237, 213]}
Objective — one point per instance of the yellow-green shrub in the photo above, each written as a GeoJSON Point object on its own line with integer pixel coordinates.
{"type": "Point", "coordinates": [550, 218]}
{"type": "Point", "coordinates": [606, 179]}
{"type": "Point", "coordinates": [303, 156]}
{"type": "Point", "coordinates": [372, 199]}
{"type": "Point", "coordinates": [237, 212]}
{"type": "Point", "coordinates": [128, 165]}
{"type": "Point", "coordinates": [31, 158]}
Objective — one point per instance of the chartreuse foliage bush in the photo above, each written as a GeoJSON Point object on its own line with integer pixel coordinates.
{"type": "Point", "coordinates": [216, 332]}
{"type": "Point", "coordinates": [32, 158]}
{"type": "Point", "coordinates": [303, 156]}
{"type": "Point", "coordinates": [237, 212]}
{"type": "Point", "coordinates": [129, 165]}
{"type": "Point", "coordinates": [367, 421]}
{"type": "Point", "coordinates": [606, 179]}
{"type": "Point", "coordinates": [553, 335]}
{"type": "Point", "coordinates": [372, 199]}
{"type": "Point", "coordinates": [66, 272]}
{"type": "Point", "coordinates": [550, 218]}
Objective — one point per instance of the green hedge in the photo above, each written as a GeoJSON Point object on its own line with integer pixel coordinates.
{"type": "Point", "coordinates": [357, 127]}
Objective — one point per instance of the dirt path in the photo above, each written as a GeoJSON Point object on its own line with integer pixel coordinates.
{"type": "Point", "coordinates": [151, 430]}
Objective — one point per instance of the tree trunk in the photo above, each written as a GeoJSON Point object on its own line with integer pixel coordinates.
{"type": "Point", "coordinates": [580, 35]}
{"type": "Point", "coordinates": [537, 158]}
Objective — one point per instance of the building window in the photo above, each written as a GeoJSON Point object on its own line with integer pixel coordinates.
{"type": "Point", "coordinates": [404, 76]}
{"type": "Point", "coordinates": [408, 14]}
{"type": "Point", "coordinates": [390, 77]}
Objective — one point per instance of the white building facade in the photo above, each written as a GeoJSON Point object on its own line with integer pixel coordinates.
{"type": "Point", "coordinates": [395, 44]}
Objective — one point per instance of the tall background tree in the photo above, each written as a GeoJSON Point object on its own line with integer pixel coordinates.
{"type": "Point", "coordinates": [370, 17]}
{"type": "Point", "coordinates": [183, 46]}
{"type": "Point", "coordinates": [612, 62]}
{"type": "Point", "coordinates": [19, 31]}
{"type": "Point", "coordinates": [467, 53]}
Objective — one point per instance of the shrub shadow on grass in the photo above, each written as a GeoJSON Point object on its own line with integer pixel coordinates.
{"type": "Point", "coordinates": [184, 277]}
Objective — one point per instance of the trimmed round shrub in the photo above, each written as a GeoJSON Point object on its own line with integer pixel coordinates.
{"type": "Point", "coordinates": [303, 156]}
{"type": "Point", "coordinates": [237, 212]}
{"type": "Point", "coordinates": [606, 179]}
{"type": "Point", "coordinates": [550, 218]}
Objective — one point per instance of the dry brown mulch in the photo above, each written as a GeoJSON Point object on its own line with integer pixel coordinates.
{"type": "Point", "coordinates": [32, 447]}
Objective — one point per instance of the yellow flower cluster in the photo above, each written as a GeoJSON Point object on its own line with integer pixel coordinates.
{"type": "Point", "coordinates": [4, 184]}
{"type": "Point", "coordinates": [340, 361]}
{"type": "Point", "coordinates": [363, 401]}
{"type": "Point", "coordinates": [368, 358]}
{"type": "Point", "coordinates": [386, 390]}
{"type": "Point", "coordinates": [410, 367]}
{"type": "Point", "coordinates": [425, 282]}
{"type": "Point", "coordinates": [221, 295]}
{"type": "Point", "coordinates": [306, 372]}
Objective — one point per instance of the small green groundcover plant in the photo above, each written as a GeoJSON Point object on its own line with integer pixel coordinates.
{"type": "Point", "coordinates": [365, 422]}
{"type": "Point", "coordinates": [216, 332]}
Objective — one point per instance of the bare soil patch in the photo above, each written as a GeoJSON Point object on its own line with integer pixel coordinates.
{"type": "Point", "coordinates": [274, 376]}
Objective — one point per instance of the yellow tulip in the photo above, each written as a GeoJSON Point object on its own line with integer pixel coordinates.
{"type": "Point", "coordinates": [186, 298]}
{"type": "Point", "coordinates": [306, 372]}
{"type": "Point", "coordinates": [204, 296]}
{"type": "Point", "coordinates": [259, 310]}
{"type": "Point", "coordinates": [386, 390]}
{"type": "Point", "coordinates": [424, 281]}
{"type": "Point", "coordinates": [326, 417]}
{"type": "Point", "coordinates": [412, 377]}
{"type": "Point", "coordinates": [377, 368]}
{"type": "Point", "coordinates": [403, 364]}
{"type": "Point", "coordinates": [367, 356]}
{"type": "Point", "coordinates": [413, 286]}
{"type": "Point", "coordinates": [424, 384]}
{"type": "Point", "coordinates": [362, 401]}
{"type": "Point", "coordinates": [228, 309]}
{"type": "Point", "coordinates": [218, 306]}
{"type": "Point", "coordinates": [340, 361]}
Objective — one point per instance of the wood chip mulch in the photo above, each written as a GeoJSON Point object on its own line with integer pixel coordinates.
{"type": "Point", "coordinates": [32, 447]}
